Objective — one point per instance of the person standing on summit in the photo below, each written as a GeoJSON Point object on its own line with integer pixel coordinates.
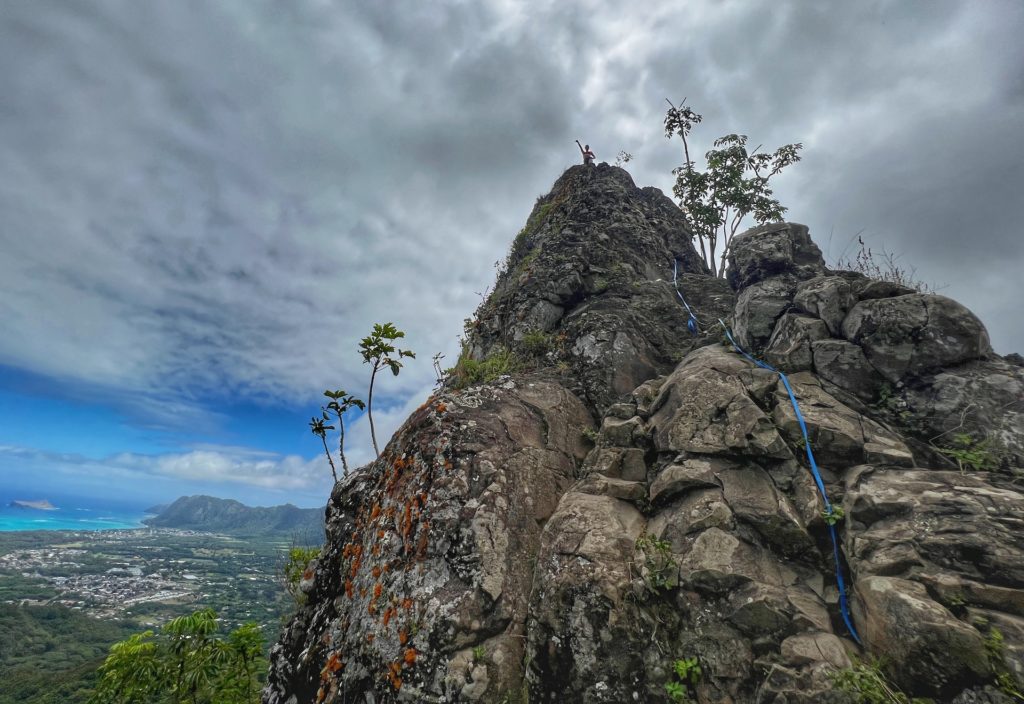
{"type": "Point", "coordinates": [588, 156]}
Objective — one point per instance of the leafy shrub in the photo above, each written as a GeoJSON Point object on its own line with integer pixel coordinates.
{"type": "Point", "coordinates": [339, 405]}
{"type": "Point", "coordinates": [995, 649]}
{"type": "Point", "coordinates": [970, 453]}
{"type": "Point", "coordinates": [468, 371]}
{"type": "Point", "coordinates": [833, 514]}
{"type": "Point", "coordinates": [295, 568]}
{"type": "Point", "coordinates": [185, 662]}
{"type": "Point", "coordinates": [536, 343]}
{"type": "Point", "coordinates": [687, 672]}
{"type": "Point", "coordinates": [661, 566]}
{"type": "Point", "coordinates": [865, 680]}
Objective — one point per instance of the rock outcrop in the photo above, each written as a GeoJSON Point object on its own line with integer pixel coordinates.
{"type": "Point", "coordinates": [634, 495]}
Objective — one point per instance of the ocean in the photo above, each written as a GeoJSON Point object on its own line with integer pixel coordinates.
{"type": "Point", "coordinates": [69, 513]}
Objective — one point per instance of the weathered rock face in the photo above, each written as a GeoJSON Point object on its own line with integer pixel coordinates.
{"type": "Point", "coordinates": [592, 272]}
{"type": "Point", "coordinates": [642, 496]}
{"type": "Point", "coordinates": [427, 551]}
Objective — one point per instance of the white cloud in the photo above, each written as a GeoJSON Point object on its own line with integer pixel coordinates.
{"type": "Point", "coordinates": [212, 469]}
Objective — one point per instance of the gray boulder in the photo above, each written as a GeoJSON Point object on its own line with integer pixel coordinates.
{"type": "Point", "coordinates": [705, 407]}
{"type": "Point", "coordinates": [770, 250]}
{"type": "Point", "coordinates": [828, 298]}
{"type": "Point", "coordinates": [844, 364]}
{"type": "Point", "coordinates": [758, 307]}
{"type": "Point", "coordinates": [789, 347]}
{"type": "Point", "coordinates": [914, 333]}
{"type": "Point", "coordinates": [929, 648]}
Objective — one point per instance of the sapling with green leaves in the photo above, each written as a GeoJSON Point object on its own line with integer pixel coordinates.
{"type": "Point", "coordinates": [379, 352]}
{"type": "Point", "coordinates": [319, 427]}
{"type": "Point", "coordinates": [339, 405]}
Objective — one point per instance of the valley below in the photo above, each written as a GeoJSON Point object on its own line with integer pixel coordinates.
{"type": "Point", "coordinates": [66, 596]}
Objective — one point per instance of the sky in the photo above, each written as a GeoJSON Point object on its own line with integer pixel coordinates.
{"type": "Point", "coordinates": [204, 206]}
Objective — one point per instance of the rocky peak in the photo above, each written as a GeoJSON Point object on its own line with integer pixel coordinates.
{"type": "Point", "coordinates": [592, 271]}
{"type": "Point", "coordinates": [636, 495]}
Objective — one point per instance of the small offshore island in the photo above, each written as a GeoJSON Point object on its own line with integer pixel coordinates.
{"type": "Point", "coordinates": [41, 505]}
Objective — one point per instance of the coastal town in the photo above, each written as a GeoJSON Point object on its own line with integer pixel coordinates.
{"type": "Point", "coordinates": [145, 575]}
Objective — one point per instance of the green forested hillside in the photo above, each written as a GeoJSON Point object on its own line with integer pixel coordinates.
{"type": "Point", "coordinates": [49, 654]}
{"type": "Point", "coordinates": [207, 513]}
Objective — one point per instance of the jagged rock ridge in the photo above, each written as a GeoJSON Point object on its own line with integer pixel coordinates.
{"type": "Point", "coordinates": [640, 496]}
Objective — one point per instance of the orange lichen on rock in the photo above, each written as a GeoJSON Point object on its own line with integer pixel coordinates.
{"type": "Point", "coordinates": [403, 636]}
{"type": "Point", "coordinates": [332, 665]}
{"type": "Point", "coordinates": [376, 571]}
{"type": "Point", "coordinates": [349, 589]}
{"type": "Point", "coordinates": [388, 613]}
{"type": "Point", "coordinates": [406, 604]}
{"type": "Point", "coordinates": [394, 672]}
{"type": "Point", "coordinates": [377, 589]}
{"type": "Point", "coordinates": [375, 511]}
{"type": "Point", "coordinates": [440, 408]}
{"type": "Point", "coordinates": [410, 656]}
{"type": "Point", "coordinates": [421, 548]}
{"type": "Point", "coordinates": [357, 561]}
{"type": "Point", "coordinates": [406, 523]}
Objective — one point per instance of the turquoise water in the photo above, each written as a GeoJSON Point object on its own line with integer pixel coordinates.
{"type": "Point", "coordinates": [72, 514]}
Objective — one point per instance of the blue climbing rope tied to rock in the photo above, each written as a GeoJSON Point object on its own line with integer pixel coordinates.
{"type": "Point", "coordinates": [692, 325]}
{"type": "Point", "coordinates": [844, 606]}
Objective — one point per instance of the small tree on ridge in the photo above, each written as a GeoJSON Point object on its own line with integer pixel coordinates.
{"type": "Point", "coordinates": [717, 200]}
{"type": "Point", "coordinates": [378, 352]}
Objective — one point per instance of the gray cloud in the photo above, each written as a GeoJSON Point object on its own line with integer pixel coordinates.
{"type": "Point", "coordinates": [225, 197]}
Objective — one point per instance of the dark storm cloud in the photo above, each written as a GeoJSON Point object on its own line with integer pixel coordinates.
{"type": "Point", "coordinates": [199, 196]}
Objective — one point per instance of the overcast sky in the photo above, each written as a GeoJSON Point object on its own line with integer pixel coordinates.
{"type": "Point", "coordinates": [204, 205]}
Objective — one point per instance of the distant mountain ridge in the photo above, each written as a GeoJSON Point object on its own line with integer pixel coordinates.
{"type": "Point", "coordinates": [208, 513]}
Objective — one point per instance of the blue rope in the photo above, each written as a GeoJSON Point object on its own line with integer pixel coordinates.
{"type": "Point", "coordinates": [694, 327]}
{"type": "Point", "coordinates": [692, 324]}
{"type": "Point", "coordinates": [843, 604]}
